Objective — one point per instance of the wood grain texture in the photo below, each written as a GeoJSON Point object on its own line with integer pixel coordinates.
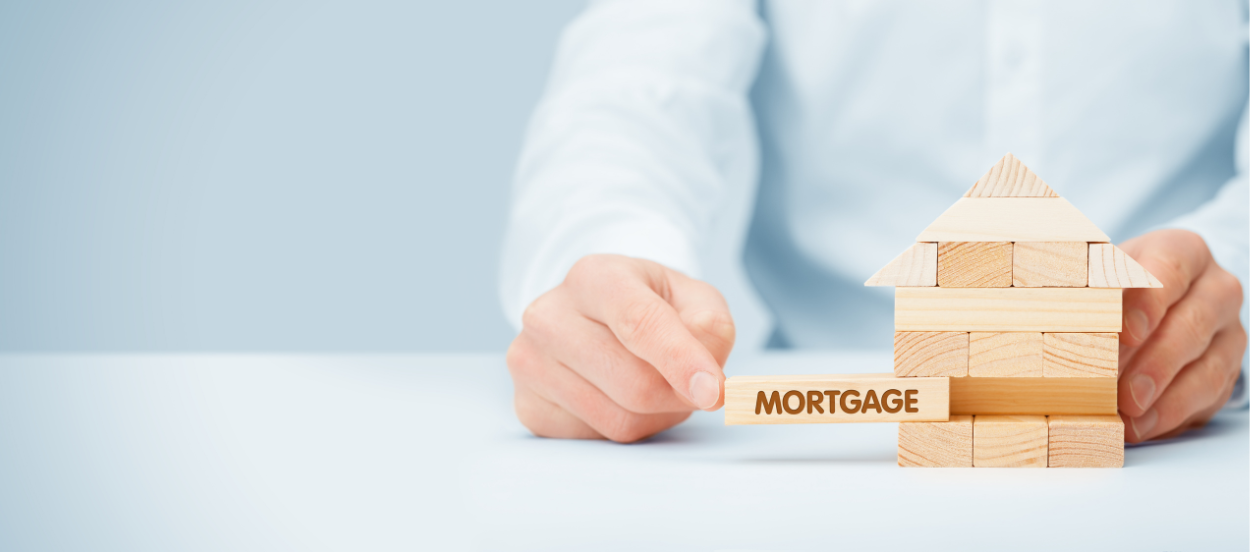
{"type": "Point", "coordinates": [1010, 178]}
{"type": "Point", "coordinates": [1028, 219]}
{"type": "Point", "coordinates": [1086, 442]}
{"type": "Point", "coordinates": [857, 398]}
{"type": "Point", "coordinates": [974, 264]}
{"type": "Point", "coordinates": [1009, 441]}
{"type": "Point", "coordinates": [930, 354]}
{"type": "Point", "coordinates": [1081, 355]}
{"type": "Point", "coordinates": [1033, 396]}
{"type": "Point", "coordinates": [1050, 264]}
{"type": "Point", "coordinates": [936, 444]}
{"type": "Point", "coordinates": [1005, 354]}
{"type": "Point", "coordinates": [1007, 310]}
{"type": "Point", "coordinates": [915, 267]}
{"type": "Point", "coordinates": [1109, 267]}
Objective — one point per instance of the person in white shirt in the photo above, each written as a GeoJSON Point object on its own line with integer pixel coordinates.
{"type": "Point", "coordinates": [860, 122]}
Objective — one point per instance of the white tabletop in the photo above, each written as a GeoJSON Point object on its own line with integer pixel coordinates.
{"type": "Point", "coordinates": [210, 452]}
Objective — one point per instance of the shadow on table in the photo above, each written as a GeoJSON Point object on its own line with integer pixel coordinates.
{"type": "Point", "coordinates": [1221, 425]}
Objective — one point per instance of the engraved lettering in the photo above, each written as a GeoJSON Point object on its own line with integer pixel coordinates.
{"type": "Point", "coordinates": [768, 404]}
{"type": "Point", "coordinates": [814, 398]}
{"type": "Point", "coordinates": [891, 407]}
{"type": "Point", "coordinates": [870, 401]}
{"type": "Point", "coordinates": [833, 402]}
{"type": "Point", "coordinates": [785, 402]}
{"type": "Point", "coordinates": [909, 401]}
{"type": "Point", "coordinates": [854, 407]}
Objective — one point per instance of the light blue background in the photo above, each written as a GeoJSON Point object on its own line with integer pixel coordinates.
{"type": "Point", "coordinates": [261, 175]}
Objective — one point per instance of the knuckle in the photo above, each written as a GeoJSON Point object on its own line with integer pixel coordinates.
{"type": "Point", "coordinates": [627, 428]}
{"type": "Point", "coordinates": [717, 324]}
{"type": "Point", "coordinates": [1189, 325]}
{"type": "Point", "coordinates": [520, 358]}
{"type": "Point", "coordinates": [639, 319]}
{"type": "Point", "coordinates": [1228, 285]}
{"type": "Point", "coordinates": [588, 269]}
{"type": "Point", "coordinates": [643, 399]}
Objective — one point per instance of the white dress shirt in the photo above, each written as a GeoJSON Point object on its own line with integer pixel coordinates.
{"type": "Point", "coordinates": [861, 121]}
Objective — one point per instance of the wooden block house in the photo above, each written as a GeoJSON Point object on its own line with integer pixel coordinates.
{"type": "Point", "coordinates": [1007, 292]}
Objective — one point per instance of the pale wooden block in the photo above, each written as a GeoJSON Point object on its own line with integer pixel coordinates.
{"type": "Point", "coordinates": [974, 264]}
{"type": "Point", "coordinates": [1050, 264]}
{"type": "Point", "coordinates": [1013, 219]}
{"type": "Point", "coordinates": [1005, 354]}
{"type": "Point", "coordinates": [941, 309]}
{"type": "Point", "coordinates": [855, 397]}
{"type": "Point", "coordinates": [1033, 396]}
{"type": "Point", "coordinates": [930, 354]}
{"type": "Point", "coordinates": [936, 444]}
{"type": "Point", "coordinates": [1086, 442]}
{"type": "Point", "coordinates": [1081, 355]}
{"type": "Point", "coordinates": [1110, 267]}
{"type": "Point", "coordinates": [917, 266]}
{"type": "Point", "coordinates": [1010, 178]}
{"type": "Point", "coordinates": [1009, 441]}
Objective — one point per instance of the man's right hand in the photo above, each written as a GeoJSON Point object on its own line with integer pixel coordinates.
{"type": "Point", "coordinates": [624, 348]}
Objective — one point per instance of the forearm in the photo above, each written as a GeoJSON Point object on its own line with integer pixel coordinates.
{"type": "Point", "coordinates": [644, 124]}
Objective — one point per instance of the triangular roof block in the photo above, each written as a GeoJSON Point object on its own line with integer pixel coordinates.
{"type": "Point", "coordinates": [1011, 204]}
{"type": "Point", "coordinates": [1111, 267]}
{"type": "Point", "coordinates": [1000, 219]}
{"type": "Point", "coordinates": [916, 267]}
{"type": "Point", "coordinates": [1010, 178]}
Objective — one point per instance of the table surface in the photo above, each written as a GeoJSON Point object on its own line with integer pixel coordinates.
{"type": "Point", "coordinates": [273, 452]}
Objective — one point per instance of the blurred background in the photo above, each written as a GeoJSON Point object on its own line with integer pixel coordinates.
{"type": "Point", "coordinates": [267, 175]}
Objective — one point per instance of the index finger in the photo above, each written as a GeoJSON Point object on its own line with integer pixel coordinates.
{"type": "Point", "coordinates": [1176, 258]}
{"type": "Point", "coordinates": [627, 299]}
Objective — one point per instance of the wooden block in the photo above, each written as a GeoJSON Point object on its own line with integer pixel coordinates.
{"type": "Point", "coordinates": [1110, 267]}
{"type": "Point", "coordinates": [1010, 178]}
{"type": "Point", "coordinates": [1009, 441]}
{"type": "Point", "coordinates": [1086, 442]}
{"type": "Point", "coordinates": [1050, 264]}
{"type": "Point", "coordinates": [854, 397]}
{"type": "Point", "coordinates": [930, 354]}
{"type": "Point", "coordinates": [974, 264]}
{"type": "Point", "coordinates": [936, 444]}
{"type": "Point", "coordinates": [1005, 354]}
{"type": "Point", "coordinates": [1088, 355]}
{"type": "Point", "coordinates": [1006, 310]}
{"type": "Point", "coordinates": [915, 267]}
{"type": "Point", "coordinates": [1033, 396]}
{"type": "Point", "coordinates": [1013, 219]}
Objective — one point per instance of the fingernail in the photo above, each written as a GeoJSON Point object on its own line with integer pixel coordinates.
{"type": "Point", "coordinates": [1142, 425]}
{"type": "Point", "coordinates": [1137, 324]}
{"type": "Point", "coordinates": [1143, 390]}
{"type": "Point", "coordinates": [704, 390]}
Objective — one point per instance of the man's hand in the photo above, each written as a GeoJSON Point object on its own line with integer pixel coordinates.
{"type": "Point", "coordinates": [1181, 346]}
{"type": "Point", "coordinates": [623, 349]}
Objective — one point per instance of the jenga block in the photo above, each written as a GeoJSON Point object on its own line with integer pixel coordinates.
{"type": "Point", "coordinates": [1005, 354]}
{"type": "Point", "coordinates": [941, 309]}
{"type": "Point", "coordinates": [974, 264]}
{"type": "Point", "coordinates": [1009, 441]}
{"type": "Point", "coordinates": [1013, 219]}
{"type": "Point", "coordinates": [1050, 264]}
{"type": "Point", "coordinates": [936, 444]}
{"type": "Point", "coordinates": [835, 398]}
{"type": "Point", "coordinates": [930, 354]}
{"type": "Point", "coordinates": [916, 267]}
{"type": "Point", "coordinates": [1110, 267]}
{"type": "Point", "coordinates": [1033, 396]}
{"type": "Point", "coordinates": [1010, 178]}
{"type": "Point", "coordinates": [1086, 442]}
{"type": "Point", "coordinates": [1081, 355]}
